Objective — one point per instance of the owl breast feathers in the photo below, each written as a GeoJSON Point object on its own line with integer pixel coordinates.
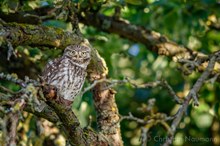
{"type": "Point", "coordinates": [68, 72]}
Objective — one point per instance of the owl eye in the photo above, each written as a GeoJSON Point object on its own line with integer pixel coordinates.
{"type": "Point", "coordinates": [83, 54]}
{"type": "Point", "coordinates": [72, 52]}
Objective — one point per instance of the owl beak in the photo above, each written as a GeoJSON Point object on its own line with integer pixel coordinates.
{"type": "Point", "coordinates": [78, 56]}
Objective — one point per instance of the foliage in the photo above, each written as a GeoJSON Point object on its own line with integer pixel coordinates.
{"type": "Point", "coordinates": [187, 22]}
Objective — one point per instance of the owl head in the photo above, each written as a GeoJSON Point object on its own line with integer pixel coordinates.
{"type": "Point", "coordinates": [78, 54]}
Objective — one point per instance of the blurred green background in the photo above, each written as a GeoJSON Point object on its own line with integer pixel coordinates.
{"type": "Point", "coordinates": [187, 22]}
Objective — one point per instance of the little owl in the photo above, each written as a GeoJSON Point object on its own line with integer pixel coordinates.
{"type": "Point", "coordinates": [68, 72]}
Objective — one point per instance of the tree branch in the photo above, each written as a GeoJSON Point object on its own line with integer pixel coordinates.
{"type": "Point", "coordinates": [76, 135]}
{"type": "Point", "coordinates": [112, 83]}
{"type": "Point", "coordinates": [152, 40]}
{"type": "Point", "coordinates": [104, 100]}
{"type": "Point", "coordinates": [195, 89]}
{"type": "Point", "coordinates": [36, 35]}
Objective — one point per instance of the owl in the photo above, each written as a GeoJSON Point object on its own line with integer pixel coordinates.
{"type": "Point", "coordinates": [68, 72]}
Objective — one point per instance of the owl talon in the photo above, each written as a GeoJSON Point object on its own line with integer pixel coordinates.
{"type": "Point", "coordinates": [51, 93]}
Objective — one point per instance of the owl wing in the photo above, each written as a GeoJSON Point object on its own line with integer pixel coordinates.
{"type": "Point", "coordinates": [50, 68]}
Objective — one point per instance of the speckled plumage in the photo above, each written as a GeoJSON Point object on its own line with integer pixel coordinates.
{"type": "Point", "coordinates": [68, 72]}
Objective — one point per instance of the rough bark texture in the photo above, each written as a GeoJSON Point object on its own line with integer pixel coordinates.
{"type": "Point", "coordinates": [104, 100]}
{"type": "Point", "coordinates": [69, 122]}
{"type": "Point", "coordinates": [107, 113]}
{"type": "Point", "coordinates": [22, 34]}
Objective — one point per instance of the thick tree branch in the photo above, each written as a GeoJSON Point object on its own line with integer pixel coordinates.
{"type": "Point", "coordinates": [153, 40]}
{"type": "Point", "coordinates": [47, 113]}
{"type": "Point", "coordinates": [76, 135]}
{"type": "Point", "coordinates": [29, 17]}
{"type": "Point", "coordinates": [37, 35]}
{"type": "Point", "coordinates": [104, 100]}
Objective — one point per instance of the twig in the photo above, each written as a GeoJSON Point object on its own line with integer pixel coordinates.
{"type": "Point", "coordinates": [171, 92]}
{"type": "Point", "coordinates": [2, 22]}
{"type": "Point", "coordinates": [13, 79]}
{"type": "Point", "coordinates": [194, 97]}
{"type": "Point", "coordinates": [6, 90]}
{"type": "Point", "coordinates": [160, 117]}
{"type": "Point", "coordinates": [144, 134]}
{"type": "Point", "coordinates": [113, 83]}
{"type": "Point", "coordinates": [195, 89]}
{"type": "Point", "coordinates": [12, 131]}
{"type": "Point", "coordinates": [213, 80]}
{"type": "Point", "coordinates": [131, 117]}
{"type": "Point", "coordinates": [148, 122]}
{"type": "Point", "coordinates": [10, 51]}
{"type": "Point", "coordinates": [92, 86]}
{"type": "Point", "coordinates": [12, 118]}
{"type": "Point", "coordinates": [149, 85]}
{"type": "Point", "coordinates": [189, 62]}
